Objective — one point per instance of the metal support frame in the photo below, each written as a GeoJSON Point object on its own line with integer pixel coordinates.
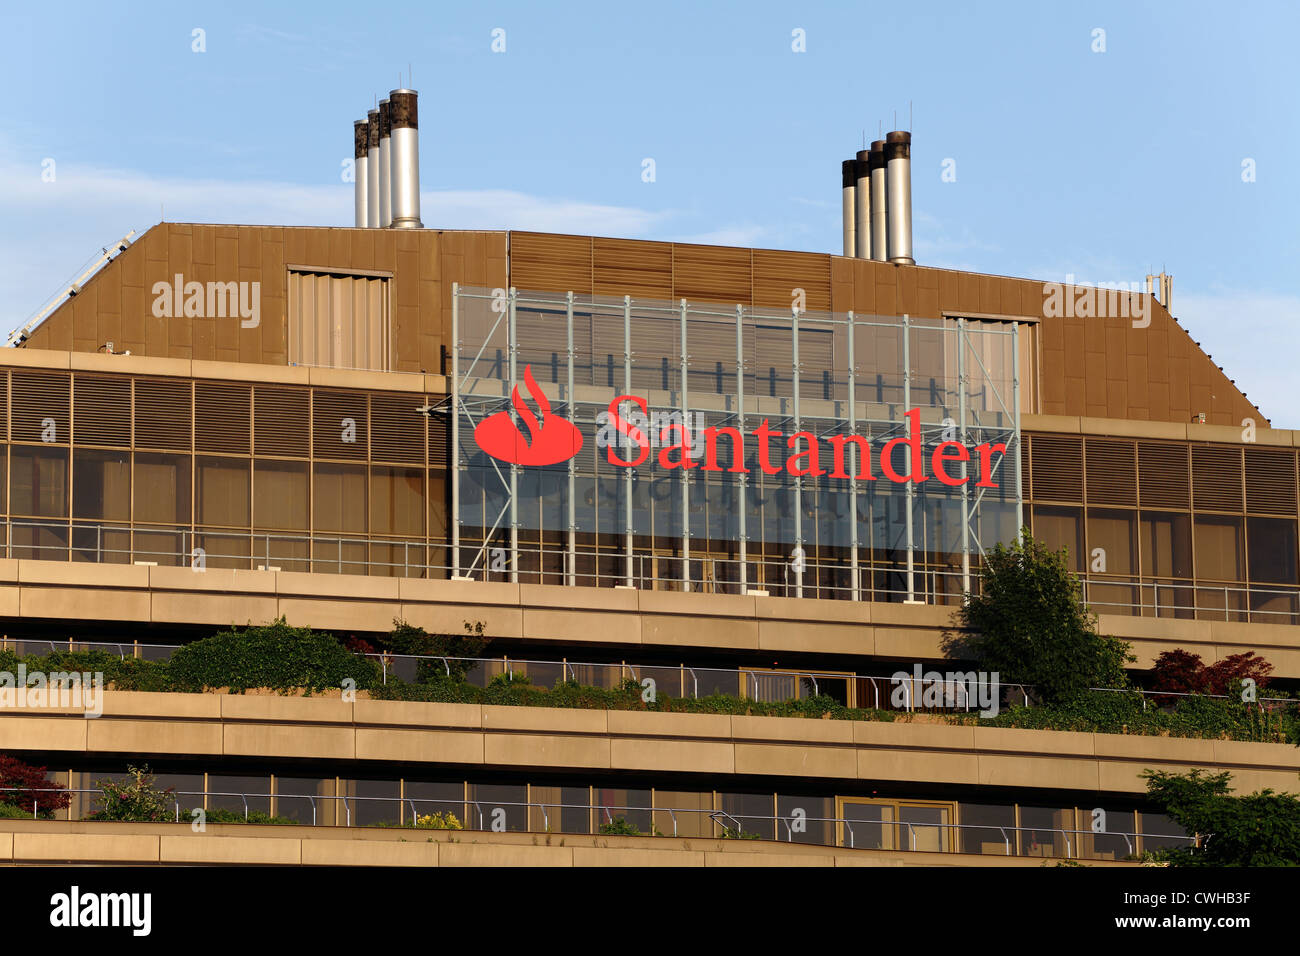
{"type": "Point", "coordinates": [686, 473]}
{"type": "Point", "coordinates": [513, 346]}
{"type": "Point", "coordinates": [627, 472]}
{"type": "Point", "coordinates": [965, 465]}
{"type": "Point", "coordinates": [743, 479]}
{"type": "Point", "coordinates": [801, 555]}
{"type": "Point", "coordinates": [455, 430]}
{"type": "Point", "coordinates": [572, 564]}
{"type": "Point", "coordinates": [854, 572]}
{"type": "Point", "coordinates": [1015, 412]}
{"type": "Point", "coordinates": [911, 484]}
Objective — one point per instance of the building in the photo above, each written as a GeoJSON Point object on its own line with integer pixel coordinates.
{"type": "Point", "coordinates": [344, 426]}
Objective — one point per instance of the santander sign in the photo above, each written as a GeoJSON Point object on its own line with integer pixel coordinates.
{"type": "Point", "coordinates": [553, 439]}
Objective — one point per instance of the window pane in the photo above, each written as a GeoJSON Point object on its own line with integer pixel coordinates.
{"type": "Point", "coordinates": [162, 488]}
{"type": "Point", "coordinates": [396, 501]}
{"type": "Point", "coordinates": [222, 488]}
{"type": "Point", "coordinates": [1166, 545]}
{"type": "Point", "coordinates": [39, 483]}
{"type": "Point", "coordinates": [1113, 533]}
{"type": "Point", "coordinates": [1272, 549]}
{"type": "Point", "coordinates": [280, 495]}
{"type": "Point", "coordinates": [101, 485]}
{"type": "Point", "coordinates": [340, 498]}
{"type": "Point", "coordinates": [1218, 548]}
{"type": "Point", "coordinates": [1060, 528]}
{"type": "Point", "coordinates": [988, 828]}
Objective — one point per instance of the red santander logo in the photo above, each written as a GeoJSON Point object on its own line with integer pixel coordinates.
{"type": "Point", "coordinates": [549, 441]}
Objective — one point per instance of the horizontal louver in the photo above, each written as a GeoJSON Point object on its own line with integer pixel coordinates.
{"type": "Point", "coordinates": [221, 417]}
{"type": "Point", "coordinates": [439, 434]}
{"type": "Point", "coordinates": [1270, 481]}
{"type": "Point", "coordinates": [1055, 469]}
{"type": "Point", "coordinates": [40, 407]}
{"type": "Point", "coordinates": [280, 422]}
{"type": "Point", "coordinates": [396, 428]}
{"type": "Point", "coordinates": [1111, 472]}
{"type": "Point", "coordinates": [162, 414]}
{"type": "Point", "coordinates": [339, 428]}
{"type": "Point", "coordinates": [1216, 478]}
{"type": "Point", "coordinates": [1162, 476]}
{"type": "Point", "coordinates": [103, 411]}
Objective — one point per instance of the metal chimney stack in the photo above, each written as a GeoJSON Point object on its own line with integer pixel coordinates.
{"type": "Point", "coordinates": [372, 169]}
{"type": "Point", "coordinates": [879, 202]}
{"type": "Point", "coordinates": [848, 179]}
{"type": "Point", "coordinates": [405, 151]}
{"type": "Point", "coordinates": [898, 202]}
{"type": "Point", "coordinates": [385, 165]}
{"type": "Point", "coordinates": [360, 144]}
{"type": "Point", "coordinates": [862, 205]}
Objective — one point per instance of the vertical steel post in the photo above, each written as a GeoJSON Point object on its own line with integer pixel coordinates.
{"type": "Point", "coordinates": [853, 473]}
{"type": "Point", "coordinates": [743, 479]}
{"type": "Point", "coordinates": [513, 346]}
{"type": "Point", "coordinates": [962, 391]}
{"type": "Point", "coordinates": [1015, 417]}
{"type": "Point", "coordinates": [686, 474]}
{"type": "Point", "coordinates": [455, 432]}
{"type": "Point", "coordinates": [911, 484]}
{"type": "Point", "coordinates": [801, 557]}
{"type": "Point", "coordinates": [572, 556]}
{"type": "Point", "coordinates": [627, 472]}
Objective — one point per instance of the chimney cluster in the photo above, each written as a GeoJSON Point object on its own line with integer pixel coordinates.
{"type": "Point", "coordinates": [877, 201]}
{"type": "Point", "coordinates": [387, 154]}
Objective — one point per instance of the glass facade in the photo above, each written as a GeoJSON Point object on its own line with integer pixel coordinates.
{"type": "Point", "coordinates": [761, 449]}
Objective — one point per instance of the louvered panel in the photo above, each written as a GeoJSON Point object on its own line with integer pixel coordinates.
{"type": "Point", "coordinates": [643, 270]}
{"type": "Point", "coordinates": [543, 343]}
{"type": "Point", "coordinates": [1110, 472]}
{"type": "Point", "coordinates": [221, 417]}
{"type": "Point", "coordinates": [40, 406]}
{"type": "Point", "coordinates": [1055, 467]}
{"type": "Point", "coordinates": [339, 424]}
{"type": "Point", "coordinates": [1271, 481]}
{"type": "Point", "coordinates": [1162, 476]}
{"type": "Point", "coordinates": [103, 411]}
{"type": "Point", "coordinates": [1216, 478]}
{"type": "Point", "coordinates": [439, 435]}
{"type": "Point", "coordinates": [162, 414]}
{"type": "Point", "coordinates": [280, 421]}
{"type": "Point", "coordinates": [778, 274]}
{"type": "Point", "coordinates": [606, 348]}
{"type": "Point", "coordinates": [714, 274]}
{"type": "Point", "coordinates": [711, 354]}
{"type": "Point", "coordinates": [656, 352]}
{"type": "Point", "coordinates": [396, 428]}
{"type": "Point", "coordinates": [550, 263]}
{"type": "Point", "coordinates": [4, 409]}
{"type": "Point", "coordinates": [772, 364]}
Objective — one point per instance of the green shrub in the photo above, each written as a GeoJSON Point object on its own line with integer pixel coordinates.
{"type": "Point", "coordinates": [1029, 625]}
{"type": "Point", "coordinates": [138, 800]}
{"type": "Point", "coordinates": [226, 815]}
{"type": "Point", "coordinates": [619, 826]}
{"type": "Point", "coordinates": [409, 639]}
{"type": "Point", "coordinates": [739, 833]}
{"type": "Point", "coordinates": [9, 811]}
{"type": "Point", "coordinates": [274, 656]}
{"type": "Point", "coordinates": [439, 821]}
{"type": "Point", "coordinates": [1257, 829]}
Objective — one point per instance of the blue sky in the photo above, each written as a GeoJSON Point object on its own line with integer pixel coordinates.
{"type": "Point", "coordinates": [1068, 161]}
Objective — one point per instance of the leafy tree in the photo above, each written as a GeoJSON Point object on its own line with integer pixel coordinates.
{"type": "Point", "coordinates": [138, 800]}
{"type": "Point", "coordinates": [1029, 625]}
{"type": "Point", "coordinates": [274, 656]}
{"type": "Point", "coordinates": [410, 639]}
{"type": "Point", "coordinates": [1180, 671]}
{"type": "Point", "coordinates": [22, 786]}
{"type": "Point", "coordinates": [1258, 829]}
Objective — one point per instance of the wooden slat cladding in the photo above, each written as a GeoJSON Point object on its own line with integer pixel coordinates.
{"type": "Point", "coordinates": [1110, 469]}
{"type": "Point", "coordinates": [1216, 478]}
{"type": "Point", "coordinates": [339, 424]}
{"type": "Point", "coordinates": [778, 274]}
{"type": "Point", "coordinates": [103, 407]}
{"type": "Point", "coordinates": [643, 270]}
{"type": "Point", "coordinates": [550, 263]}
{"type": "Point", "coordinates": [162, 414]}
{"type": "Point", "coordinates": [40, 399]}
{"type": "Point", "coordinates": [1055, 467]}
{"type": "Point", "coordinates": [712, 274]}
{"type": "Point", "coordinates": [1162, 475]}
{"type": "Point", "coordinates": [221, 419]}
{"type": "Point", "coordinates": [1270, 481]}
{"type": "Point", "coordinates": [396, 428]}
{"type": "Point", "coordinates": [280, 423]}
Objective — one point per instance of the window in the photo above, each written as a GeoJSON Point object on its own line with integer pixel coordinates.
{"type": "Point", "coordinates": [1272, 549]}
{"type": "Point", "coordinates": [339, 320]}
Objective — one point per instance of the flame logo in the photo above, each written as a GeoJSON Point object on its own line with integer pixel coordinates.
{"type": "Point", "coordinates": [549, 442]}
